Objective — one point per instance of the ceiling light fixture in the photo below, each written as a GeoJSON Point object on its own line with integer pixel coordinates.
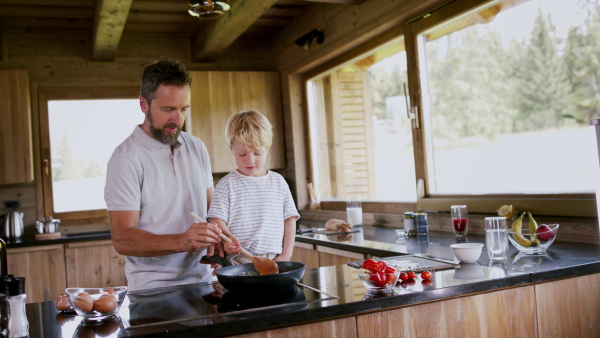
{"type": "Point", "coordinates": [305, 40]}
{"type": "Point", "coordinates": [208, 9]}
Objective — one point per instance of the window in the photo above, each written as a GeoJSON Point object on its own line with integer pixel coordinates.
{"type": "Point", "coordinates": [509, 92]}
{"type": "Point", "coordinates": [361, 138]}
{"type": "Point", "coordinates": [83, 129]}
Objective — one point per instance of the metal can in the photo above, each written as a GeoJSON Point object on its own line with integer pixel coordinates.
{"type": "Point", "coordinates": [421, 224]}
{"type": "Point", "coordinates": [409, 223]}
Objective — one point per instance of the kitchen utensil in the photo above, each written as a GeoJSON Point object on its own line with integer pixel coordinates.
{"type": "Point", "coordinates": [245, 277]}
{"type": "Point", "coordinates": [45, 227]}
{"type": "Point", "coordinates": [12, 225]}
{"type": "Point", "coordinates": [264, 265]}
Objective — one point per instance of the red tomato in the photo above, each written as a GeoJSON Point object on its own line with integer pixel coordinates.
{"type": "Point", "coordinates": [378, 279]}
{"type": "Point", "coordinates": [391, 279]}
{"type": "Point", "coordinates": [389, 269]}
{"type": "Point", "coordinates": [379, 266]}
{"type": "Point", "coordinates": [368, 264]}
{"type": "Point", "coordinates": [403, 275]}
{"type": "Point", "coordinates": [411, 275]}
{"type": "Point", "coordinates": [426, 275]}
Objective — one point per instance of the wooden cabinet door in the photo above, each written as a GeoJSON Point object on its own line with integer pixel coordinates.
{"type": "Point", "coordinates": [94, 264]}
{"type": "Point", "coordinates": [43, 268]}
{"type": "Point", "coordinates": [329, 256]}
{"type": "Point", "coordinates": [16, 164]}
{"type": "Point", "coordinates": [218, 95]}
{"type": "Point", "coordinates": [569, 307]}
{"type": "Point", "coordinates": [307, 254]}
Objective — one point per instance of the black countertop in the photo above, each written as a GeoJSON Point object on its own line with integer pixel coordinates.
{"type": "Point", "coordinates": [198, 310]}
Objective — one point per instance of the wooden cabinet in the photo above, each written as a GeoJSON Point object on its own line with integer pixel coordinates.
{"type": "Point", "coordinates": [569, 307]}
{"type": "Point", "coordinates": [345, 327]}
{"type": "Point", "coordinates": [94, 264]}
{"type": "Point", "coordinates": [329, 256]}
{"type": "Point", "coordinates": [506, 313]}
{"type": "Point", "coordinates": [16, 164]}
{"type": "Point", "coordinates": [307, 254]}
{"type": "Point", "coordinates": [218, 95]}
{"type": "Point", "coordinates": [43, 268]}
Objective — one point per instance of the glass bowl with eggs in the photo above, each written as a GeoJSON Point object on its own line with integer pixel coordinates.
{"type": "Point", "coordinates": [96, 304]}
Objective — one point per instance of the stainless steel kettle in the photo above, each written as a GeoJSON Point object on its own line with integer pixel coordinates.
{"type": "Point", "coordinates": [12, 225]}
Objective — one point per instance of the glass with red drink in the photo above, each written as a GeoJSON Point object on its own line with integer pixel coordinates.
{"type": "Point", "coordinates": [459, 217]}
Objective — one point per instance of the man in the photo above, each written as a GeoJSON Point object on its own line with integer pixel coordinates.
{"type": "Point", "coordinates": [155, 179]}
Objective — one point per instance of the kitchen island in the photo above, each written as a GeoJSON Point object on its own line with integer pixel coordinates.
{"type": "Point", "coordinates": [521, 296]}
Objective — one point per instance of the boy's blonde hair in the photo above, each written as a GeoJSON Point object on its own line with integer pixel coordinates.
{"type": "Point", "coordinates": [251, 128]}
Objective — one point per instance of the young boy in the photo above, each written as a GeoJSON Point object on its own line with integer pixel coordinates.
{"type": "Point", "coordinates": [253, 205]}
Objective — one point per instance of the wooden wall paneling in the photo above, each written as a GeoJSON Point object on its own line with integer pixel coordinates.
{"type": "Point", "coordinates": [507, 313]}
{"type": "Point", "coordinates": [94, 264]}
{"type": "Point", "coordinates": [261, 91]}
{"type": "Point", "coordinates": [296, 137]}
{"type": "Point", "coordinates": [16, 156]}
{"type": "Point", "coordinates": [569, 307]}
{"type": "Point", "coordinates": [334, 138]}
{"type": "Point", "coordinates": [43, 268]}
{"type": "Point", "coordinates": [345, 327]}
{"type": "Point", "coordinates": [307, 254]}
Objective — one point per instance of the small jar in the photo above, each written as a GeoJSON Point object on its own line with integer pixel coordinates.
{"type": "Point", "coordinates": [409, 224]}
{"type": "Point", "coordinates": [421, 224]}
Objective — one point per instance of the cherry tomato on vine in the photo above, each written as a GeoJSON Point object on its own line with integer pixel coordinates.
{"type": "Point", "coordinates": [411, 275]}
{"type": "Point", "coordinates": [426, 275]}
{"type": "Point", "coordinates": [403, 276]}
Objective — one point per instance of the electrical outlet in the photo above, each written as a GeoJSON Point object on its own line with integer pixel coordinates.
{"type": "Point", "coordinates": [11, 204]}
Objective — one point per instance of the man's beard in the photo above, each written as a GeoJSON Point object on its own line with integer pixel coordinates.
{"type": "Point", "coordinates": [171, 139]}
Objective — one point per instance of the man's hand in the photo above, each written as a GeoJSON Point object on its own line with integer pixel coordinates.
{"type": "Point", "coordinates": [201, 235]}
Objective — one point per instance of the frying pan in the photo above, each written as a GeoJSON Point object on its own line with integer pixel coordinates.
{"type": "Point", "coordinates": [244, 277]}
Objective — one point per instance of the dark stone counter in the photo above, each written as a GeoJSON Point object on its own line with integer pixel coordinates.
{"type": "Point", "coordinates": [198, 310]}
{"type": "Point", "coordinates": [64, 238]}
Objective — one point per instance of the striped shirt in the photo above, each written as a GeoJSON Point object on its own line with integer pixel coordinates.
{"type": "Point", "coordinates": [254, 209]}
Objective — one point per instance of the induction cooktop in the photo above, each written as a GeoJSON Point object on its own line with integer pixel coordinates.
{"type": "Point", "coordinates": [204, 304]}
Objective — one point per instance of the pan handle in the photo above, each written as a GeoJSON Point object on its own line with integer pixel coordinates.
{"type": "Point", "coordinates": [217, 259]}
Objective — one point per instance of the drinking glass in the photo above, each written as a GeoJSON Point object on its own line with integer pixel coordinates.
{"type": "Point", "coordinates": [496, 237]}
{"type": "Point", "coordinates": [459, 220]}
{"type": "Point", "coordinates": [354, 211]}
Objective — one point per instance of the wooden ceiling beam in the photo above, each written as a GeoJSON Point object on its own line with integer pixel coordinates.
{"type": "Point", "coordinates": [216, 35]}
{"type": "Point", "coordinates": [109, 22]}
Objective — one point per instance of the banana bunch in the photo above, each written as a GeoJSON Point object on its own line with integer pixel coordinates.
{"type": "Point", "coordinates": [517, 231]}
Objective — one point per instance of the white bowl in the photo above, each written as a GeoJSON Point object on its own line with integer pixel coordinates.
{"type": "Point", "coordinates": [467, 252]}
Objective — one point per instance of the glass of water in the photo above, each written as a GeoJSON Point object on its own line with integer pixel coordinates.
{"type": "Point", "coordinates": [496, 237]}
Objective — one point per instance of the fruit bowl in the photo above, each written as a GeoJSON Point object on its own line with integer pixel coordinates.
{"type": "Point", "coordinates": [536, 245]}
{"type": "Point", "coordinates": [376, 284]}
{"type": "Point", "coordinates": [96, 304]}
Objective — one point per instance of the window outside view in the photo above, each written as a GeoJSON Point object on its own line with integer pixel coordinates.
{"type": "Point", "coordinates": [361, 138]}
{"type": "Point", "coordinates": [83, 135]}
{"type": "Point", "coordinates": [509, 101]}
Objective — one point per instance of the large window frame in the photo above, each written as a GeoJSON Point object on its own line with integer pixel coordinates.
{"type": "Point", "coordinates": [45, 180]}
{"type": "Point", "coordinates": [559, 204]}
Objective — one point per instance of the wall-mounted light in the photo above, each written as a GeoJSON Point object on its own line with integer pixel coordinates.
{"type": "Point", "coordinates": [305, 40]}
{"type": "Point", "coordinates": [208, 9]}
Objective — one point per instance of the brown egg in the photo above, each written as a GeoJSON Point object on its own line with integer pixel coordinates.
{"type": "Point", "coordinates": [105, 304]}
{"type": "Point", "coordinates": [84, 302]}
{"type": "Point", "coordinates": [62, 303]}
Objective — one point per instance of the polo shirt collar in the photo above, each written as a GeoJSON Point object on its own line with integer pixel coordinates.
{"type": "Point", "coordinates": [150, 142]}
